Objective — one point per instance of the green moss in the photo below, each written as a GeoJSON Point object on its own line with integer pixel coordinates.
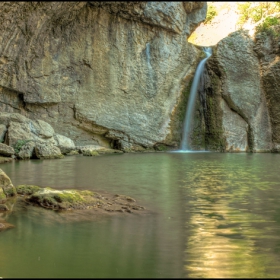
{"type": "Point", "coordinates": [66, 199]}
{"type": "Point", "coordinates": [27, 189]}
{"type": "Point", "coordinates": [211, 13]}
{"type": "Point", "coordinates": [264, 14]}
{"type": "Point", "coordinates": [10, 190]}
{"type": "Point", "coordinates": [19, 144]}
{"type": "Point", "coordinates": [90, 153]}
{"type": "Point", "coordinates": [2, 195]}
{"type": "Point", "coordinates": [161, 147]}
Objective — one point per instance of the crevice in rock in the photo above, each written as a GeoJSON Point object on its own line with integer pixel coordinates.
{"type": "Point", "coordinates": [235, 109]}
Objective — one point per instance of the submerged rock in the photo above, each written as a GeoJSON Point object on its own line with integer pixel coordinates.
{"type": "Point", "coordinates": [4, 225]}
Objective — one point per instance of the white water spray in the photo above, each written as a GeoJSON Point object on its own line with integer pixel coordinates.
{"type": "Point", "coordinates": [191, 102]}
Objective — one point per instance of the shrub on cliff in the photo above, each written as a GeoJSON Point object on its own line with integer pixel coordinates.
{"type": "Point", "coordinates": [264, 16]}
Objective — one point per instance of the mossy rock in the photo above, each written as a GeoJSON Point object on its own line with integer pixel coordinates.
{"type": "Point", "coordinates": [90, 153]}
{"type": "Point", "coordinates": [65, 199]}
{"type": "Point", "coordinates": [27, 189]}
{"type": "Point", "coordinates": [6, 185]}
{"type": "Point", "coordinates": [2, 195]}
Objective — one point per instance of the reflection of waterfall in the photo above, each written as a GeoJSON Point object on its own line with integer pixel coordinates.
{"type": "Point", "coordinates": [192, 98]}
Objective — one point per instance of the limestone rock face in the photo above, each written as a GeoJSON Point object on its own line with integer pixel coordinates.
{"type": "Point", "coordinates": [245, 115]}
{"type": "Point", "coordinates": [96, 69]}
{"type": "Point", "coordinates": [235, 130]}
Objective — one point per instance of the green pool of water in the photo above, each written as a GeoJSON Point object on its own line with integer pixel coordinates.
{"type": "Point", "coordinates": [211, 215]}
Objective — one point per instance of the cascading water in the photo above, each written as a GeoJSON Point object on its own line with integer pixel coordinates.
{"type": "Point", "coordinates": [191, 101]}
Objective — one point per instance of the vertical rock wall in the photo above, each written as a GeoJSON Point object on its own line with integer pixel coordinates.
{"type": "Point", "coordinates": [98, 72]}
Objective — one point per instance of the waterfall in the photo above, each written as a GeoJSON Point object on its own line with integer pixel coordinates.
{"type": "Point", "coordinates": [192, 99]}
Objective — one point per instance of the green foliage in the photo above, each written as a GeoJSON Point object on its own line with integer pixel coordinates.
{"type": "Point", "coordinates": [266, 26]}
{"type": "Point", "coordinates": [211, 13]}
{"type": "Point", "coordinates": [19, 144]}
{"type": "Point", "coordinates": [264, 15]}
{"type": "Point", "coordinates": [244, 12]}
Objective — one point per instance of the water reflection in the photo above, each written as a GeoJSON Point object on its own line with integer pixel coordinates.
{"type": "Point", "coordinates": [231, 220]}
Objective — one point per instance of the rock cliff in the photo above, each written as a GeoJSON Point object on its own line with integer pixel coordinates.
{"type": "Point", "coordinates": [240, 91]}
{"type": "Point", "coordinates": [100, 73]}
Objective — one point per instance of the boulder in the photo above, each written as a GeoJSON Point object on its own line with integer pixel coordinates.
{"type": "Point", "coordinates": [65, 144]}
{"type": "Point", "coordinates": [95, 150]}
{"type": "Point", "coordinates": [27, 150]}
{"type": "Point", "coordinates": [41, 129]}
{"type": "Point", "coordinates": [76, 199]}
{"type": "Point", "coordinates": [65, 199]}
{"type": "Point", "coordinates": [6, 150]}
{"type": "Point", "coordinates": [6, 186]}
{"type": "Point", "coordinates": [45, 150]}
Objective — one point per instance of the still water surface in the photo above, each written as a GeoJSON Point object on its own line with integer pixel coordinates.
{"type": "Point", "coordinates": [212, 215]}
